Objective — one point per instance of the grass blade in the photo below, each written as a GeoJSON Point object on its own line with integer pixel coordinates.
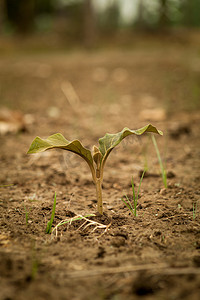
{"type": "Point", "coordinates": [133, 188]}
{"type": "Point", "coordinates": [49, 224]}
{"type": "Point", "coordinates": [6, 185]}
{"type": "Point", "coordinates": [129, 202]}
{"type": "Point", "coordinates": [135, 199]}
{"type": "Point", "coordinates": [140, 183]}
{"type": "Point", "coordinates": [126, 204]}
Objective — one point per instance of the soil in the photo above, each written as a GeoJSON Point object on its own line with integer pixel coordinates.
{"type": "Point", "coordinates": [83, 95]}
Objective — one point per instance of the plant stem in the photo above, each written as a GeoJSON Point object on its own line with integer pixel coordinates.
{"type": "Point", "coordinates": [99, 195]}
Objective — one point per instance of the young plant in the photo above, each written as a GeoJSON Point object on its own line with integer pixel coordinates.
{"type": "Point", "coordinates": [163, 171]}
{"type": "Point", "coordinates": [133, 208]}
{"type": "Point", "coordinates": [96, 159]}
{"type": "Point", "coordinates": [49, 224]}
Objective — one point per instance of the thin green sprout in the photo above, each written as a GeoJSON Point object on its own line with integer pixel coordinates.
{"type": "Point", "coordinates": [163, 171]}
{"type": "Point", "coordinates": [49, 224]}
{"type": "Point", "coordinates": [128, 204]}
{"type": "Point", "coordinates": [136, 199]}
{"type": "Point", "coordinates": [6, 185]}
{"type": "Point", "coordinates": [133, 208]}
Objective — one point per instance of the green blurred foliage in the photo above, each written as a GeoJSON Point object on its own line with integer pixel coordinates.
{"type": "Point", "coordinates": [25, 16]}
{"type": "Point", "coordinates": [109, 20]}
{"type": "Point", "coordinates": [191, 13]}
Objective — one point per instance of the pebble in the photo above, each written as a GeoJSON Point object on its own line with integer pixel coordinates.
{"type": "Point", "coordinates": [163, 191]}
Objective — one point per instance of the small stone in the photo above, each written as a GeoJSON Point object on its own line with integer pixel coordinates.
{"type": "Point", "coordinates": [116, 186]}
{"type": "Point", "coordinates": [170, 174]}
{"type": "Point", "coordinates": [110, 207]}
{"type": "Point", "coordinates": [163, 191]}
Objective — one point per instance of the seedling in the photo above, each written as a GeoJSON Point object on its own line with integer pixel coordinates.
{"type": "Point", "coordinates": [96, 159]}
{"type": "Point", "coordinates": [49, 224]}
{"type": "Point", "coordinates": [26, 214]}
{"type": "Point", "coordinates": [133, 209]}
{"type": "Point", "coordinates": [163, 171]}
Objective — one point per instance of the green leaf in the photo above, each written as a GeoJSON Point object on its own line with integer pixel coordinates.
{"type": "Point", "coordinates": [58, 141]}
{"type": "Point", "coordinates": [110, 141]}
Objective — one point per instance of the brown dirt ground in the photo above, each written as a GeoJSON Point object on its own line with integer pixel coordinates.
{"type": "Point", "coordinates": [155, 255]}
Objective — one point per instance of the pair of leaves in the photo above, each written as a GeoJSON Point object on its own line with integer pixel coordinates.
{"type": "Point", "coordinates": [106, 145]}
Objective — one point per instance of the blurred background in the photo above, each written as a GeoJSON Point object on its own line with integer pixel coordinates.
{"type": "Point", "coordinates": [82, 63]}
{"type": "Point", "coordinates": [91, 22]}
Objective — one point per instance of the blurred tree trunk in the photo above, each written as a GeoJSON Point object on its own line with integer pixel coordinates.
{"type": "Point", "coordinates": [21, 13]}
{"type": "Point", "coordinates": [89, 23]}
{"type": "Point", "coordinates": [140, 19]}
{"type": "Point", "coordinates": [163, 20]}
{"type": "Point", "coordinates": [2, 15]}
{"type": "Point", "coordinates": [191, 13]}
{"type": "Point", "coordinates": [26, 15]}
